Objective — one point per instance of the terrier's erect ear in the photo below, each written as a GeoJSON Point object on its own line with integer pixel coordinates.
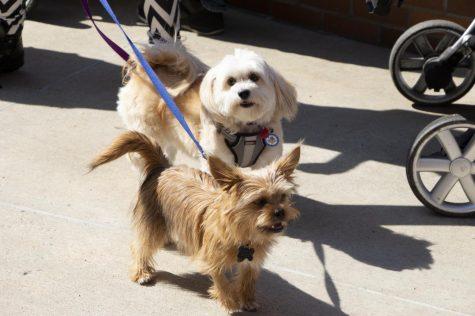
{"type": "Point", "coordinates": [287, 164]}
{"type": "Point", "coordinates": [226, 175]}
{"type": "Point", "coordinates": [286, 95]}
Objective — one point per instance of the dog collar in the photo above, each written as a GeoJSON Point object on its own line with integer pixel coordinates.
{"type": "Point", "coordinates": [245, 252]}
{"type": "Point", "coordinates": [247, 147]}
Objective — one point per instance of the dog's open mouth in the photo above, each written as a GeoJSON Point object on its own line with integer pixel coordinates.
{"type": "Point", "coordinates": [247, 104]}
{"type": "Point", "coordinates": [276, 228]}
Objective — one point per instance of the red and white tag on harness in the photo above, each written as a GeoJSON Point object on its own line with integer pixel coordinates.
{"type": "Point", "coordinates": [270, 139]}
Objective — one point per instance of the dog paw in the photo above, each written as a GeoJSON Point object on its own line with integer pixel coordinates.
{"type": "Point", "coordinates": [250, 306]}
{"type": "Point", "coordinates": [213, 292]}
{"type": "Point", "coordinates": [145, 279]}
{"type": "Point", "coordinates": [143, 276]}
{"type": "Point", "coordinates": [229, 304]}
{"type": "Point", "coordinates": [226, 301]}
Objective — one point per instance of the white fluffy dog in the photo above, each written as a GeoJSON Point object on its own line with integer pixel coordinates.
{"type": "Point", "coordinates": [234, 108]}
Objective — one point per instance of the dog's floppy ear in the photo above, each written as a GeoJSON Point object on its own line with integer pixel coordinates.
{"type": "Point", "coordinates": [287, 164]}
{"type": "Point", "coordinates": [227, 176]}
{"type": "Point", "coordinates": [207, 87]}
{"type": "Point", "coordinates": [286, 95]}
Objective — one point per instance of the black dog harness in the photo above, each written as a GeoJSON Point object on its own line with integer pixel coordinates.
{"type": "Point", "coordinates": [248, 147]}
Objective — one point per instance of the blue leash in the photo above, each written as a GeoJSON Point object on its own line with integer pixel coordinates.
{"type": "Point", "coordinates": [151, 74]}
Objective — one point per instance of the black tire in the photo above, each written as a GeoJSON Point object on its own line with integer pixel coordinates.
{"type": "Point", "coordinates": [428, 132]}
{"type": "Point", "coordinates": [400, 44]}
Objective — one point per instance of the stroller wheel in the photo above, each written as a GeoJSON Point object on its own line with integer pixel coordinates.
{"type": "Point", "coordinates": [440, 166]}
{"type": "Point", "coordinates": [414, 48]}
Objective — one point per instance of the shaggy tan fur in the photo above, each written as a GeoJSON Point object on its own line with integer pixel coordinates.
{"type": "Point", "coordinates": [208, 217]}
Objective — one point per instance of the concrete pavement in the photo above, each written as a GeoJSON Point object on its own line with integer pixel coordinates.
{"type": "Point", "coordinates": [363, 246]}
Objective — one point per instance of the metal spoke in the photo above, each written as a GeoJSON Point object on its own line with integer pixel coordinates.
{"type": "Point", "coordinates": [468, 186]}
{"type": "Point", "coordinates": [445, 42]}
{"type": "Point", "coordinates": [433, 165]}
{"type": "Point", "coordinates": [421, 85]}
{"type": "Point", "coordinates": [451, 87]}
{"type": "Point", "coordinates": [412, 64]}
{"type": "Point", "coordinates": [423, 46]}
{"type": "Point", "coordinates": [450, 145]}
{"type": "Point", "coordinates": [469, 152]}
{"type": "Point", "coordinates": [443, 188]}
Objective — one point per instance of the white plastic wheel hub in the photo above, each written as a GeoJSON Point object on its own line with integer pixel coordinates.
{"type": "Point", "coordinates": [460, 167]}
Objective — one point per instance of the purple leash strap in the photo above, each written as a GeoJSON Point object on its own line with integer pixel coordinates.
{"type": "Point", "coordinates": [122, 53]}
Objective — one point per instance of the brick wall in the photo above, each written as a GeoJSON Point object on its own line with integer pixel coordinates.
{"type": "Point", "coordinates": [350, 18]}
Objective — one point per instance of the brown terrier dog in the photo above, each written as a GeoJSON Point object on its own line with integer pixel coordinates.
{"type": "Point", "coordinates": [228, 221]}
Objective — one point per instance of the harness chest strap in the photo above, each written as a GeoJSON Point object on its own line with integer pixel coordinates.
{"type": "Point", "coordinates": [245, 147]}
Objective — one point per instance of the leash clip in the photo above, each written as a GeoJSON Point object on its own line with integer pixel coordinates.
{"type": "Point", "coordinates": [245, 252]}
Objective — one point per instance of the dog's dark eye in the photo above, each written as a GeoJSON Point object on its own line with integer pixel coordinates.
{"type": "Point", "coordinates": [253, 77]}
{"type": "Point", "coordinates": [231, 81]}
{"type": "Point", "coordinates": [261, 202]}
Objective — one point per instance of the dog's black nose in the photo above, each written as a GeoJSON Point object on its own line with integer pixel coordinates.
{"type": "Point", "coordinates": [244, 94]}
{"type": "Point", "coordinates": [279, 213]}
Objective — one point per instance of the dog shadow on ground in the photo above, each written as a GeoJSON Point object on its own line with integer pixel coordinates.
{"type": "Point", "coordinates": [360, 232]}
{"type": "Point", "coordinates": [466, 110]}
{"type": "Point", "coordinates": [275, 295]}
{"type": "Point", "coordinates": [358, 135]}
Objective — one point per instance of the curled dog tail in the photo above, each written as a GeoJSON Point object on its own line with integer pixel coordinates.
{"type": "Point", "coordinates": [132, 142]}
{"type": "Point", "coordinates": [174, 65]}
